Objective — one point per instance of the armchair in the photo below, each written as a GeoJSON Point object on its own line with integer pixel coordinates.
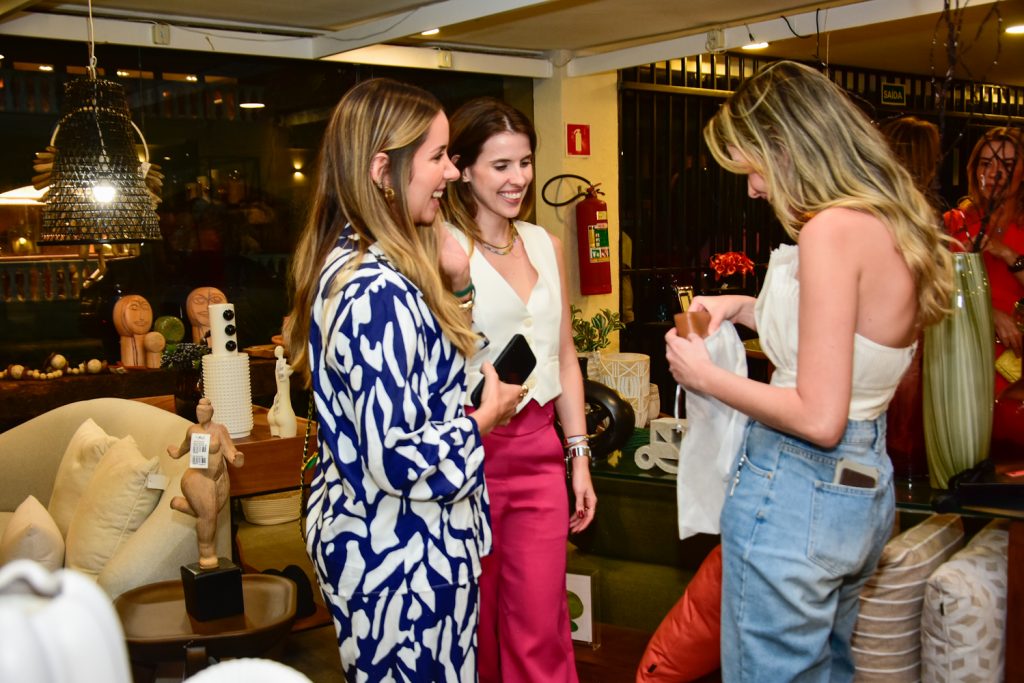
{"type": "Point", "coordinates": [31, 453]}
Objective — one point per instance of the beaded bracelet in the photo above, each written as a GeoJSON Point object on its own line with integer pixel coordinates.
{"type": "Point", "coordinates": [1017, 265]}
{"type": "Point", "coordinates": [470, 289]}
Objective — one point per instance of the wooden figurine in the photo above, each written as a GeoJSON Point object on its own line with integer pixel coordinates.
{"type": "Point", "coordinates": [281, 417]}
{"type": "Point", "coordinates": [205, 488]}
{"type": "Point", "coordinates": [154, 344]}
{"type": "Point", "coordinates": [133, 317]}
{"type": "Point", "coordinates": [198, 308]}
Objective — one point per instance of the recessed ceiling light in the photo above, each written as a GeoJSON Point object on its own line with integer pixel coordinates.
{"type": "Point", "coordinates": [1015, 30]}
{"type": "Point", "coordinates": [192, 78]}
{"type": "Point", "coordinates": [252, 105]}
{"type": "Point", "coordinates": [430, 32]}
{"type": "Point", "coordinates": [45, 67]}
{"type": "Point", "coordinates": [755, 46]}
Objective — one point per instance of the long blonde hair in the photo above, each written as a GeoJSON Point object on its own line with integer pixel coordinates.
{"type": "Point", "coordinates": [816, 150]}
{"type": "Point", "coordinates": [377, 115]}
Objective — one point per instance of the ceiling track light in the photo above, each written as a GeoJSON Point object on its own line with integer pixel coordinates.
{"type": "Point", "coordinates": [754, 43]}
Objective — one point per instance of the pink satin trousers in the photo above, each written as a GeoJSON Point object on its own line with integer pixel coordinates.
{"type": "Point", "coordinates": [524, 619]}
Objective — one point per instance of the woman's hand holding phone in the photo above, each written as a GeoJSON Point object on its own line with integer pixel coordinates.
{"type": "Point", "coordinates": [498, 401]}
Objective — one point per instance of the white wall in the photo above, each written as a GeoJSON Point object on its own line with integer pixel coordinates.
{"type": "Point", "coordinates": [590, 100]}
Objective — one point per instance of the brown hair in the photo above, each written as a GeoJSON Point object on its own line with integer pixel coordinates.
{"type": "Point", "coordinates": [915, 143]}
{"type": "Point", "coordinates": [1010, 201]}
{"type": "Point", "coordinates": [472, 125]}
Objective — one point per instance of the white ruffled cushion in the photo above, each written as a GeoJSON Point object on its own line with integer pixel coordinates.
{"type": "Point", "coordinates": [31, 534]}
{"type": "Point", "coordinates": [115, 503]}
{"type": "Point", "coordinates": [83, 453]}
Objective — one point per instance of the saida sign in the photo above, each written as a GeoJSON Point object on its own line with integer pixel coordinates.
{"type": "Point", "coordinates": [894, 94]}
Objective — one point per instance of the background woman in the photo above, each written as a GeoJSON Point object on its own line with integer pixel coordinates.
{"type": "Point", "coordinates": [837, 316]}
{"type": "Point", "coordinates": [991, 219]}
{"type": "Point", "coordinates": [397, 516]}
{"type": "Point", "coordinates": [520, 288]}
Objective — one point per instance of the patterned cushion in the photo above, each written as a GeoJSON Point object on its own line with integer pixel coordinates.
{"type": "Point", "coordinates": [887, 636]}
{"type": "Point", "coordinates": [964, 623]}
{"type": "Point", "coordinates": [116, 502]}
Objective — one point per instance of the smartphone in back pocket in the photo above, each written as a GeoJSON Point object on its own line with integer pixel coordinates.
{"type": "Point", "coordinates": [513, 365]}
{"type": "Point", "coordinates": [850, 473]}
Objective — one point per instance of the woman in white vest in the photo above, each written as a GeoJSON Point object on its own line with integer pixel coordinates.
{"type": "Point", "coordinates": [520, 289]}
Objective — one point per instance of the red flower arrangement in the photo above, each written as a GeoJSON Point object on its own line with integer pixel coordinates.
{"type": "Point", "coordinates": [730, 263]}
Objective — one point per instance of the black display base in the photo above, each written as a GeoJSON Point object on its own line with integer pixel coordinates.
{"type": "Point", "coordinates": [213, 593]}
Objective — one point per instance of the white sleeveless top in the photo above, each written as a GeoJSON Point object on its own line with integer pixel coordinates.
{"type": "Point", "coordinates": [499, 313]}
{"type": "Point", "coordinates": [877, 369]}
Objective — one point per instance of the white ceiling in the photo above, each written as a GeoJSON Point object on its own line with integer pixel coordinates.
{"type": "Point", "coordinates": [533, 37]}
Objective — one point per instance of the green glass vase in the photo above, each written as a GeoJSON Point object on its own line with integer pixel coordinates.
{"type": "Point", "coordinates": [959, 376]}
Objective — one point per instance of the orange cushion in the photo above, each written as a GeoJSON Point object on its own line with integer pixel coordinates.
{"type": "Point", "coordinates": [687, 644]}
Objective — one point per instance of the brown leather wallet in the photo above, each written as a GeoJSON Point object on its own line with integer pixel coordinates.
{"type": "Point", "coordinates": [693, 321]}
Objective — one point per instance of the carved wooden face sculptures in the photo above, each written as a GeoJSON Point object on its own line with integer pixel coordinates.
{"type": "Point", "coordinates": [132, 315]}
{"type": "Point", "coordinates": [198, 307]}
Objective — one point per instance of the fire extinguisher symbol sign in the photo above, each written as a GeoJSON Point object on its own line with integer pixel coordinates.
{"type": "Point", "coordinates": [577, 139]}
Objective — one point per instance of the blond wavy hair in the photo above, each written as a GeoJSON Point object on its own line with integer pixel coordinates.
{"type": "Point", "coordinates": [377, 115]}
{"type": "Point", "coordinates": [816, 150]}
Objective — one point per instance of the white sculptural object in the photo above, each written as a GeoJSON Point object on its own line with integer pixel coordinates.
{"type": "Point", "coordinates": [281, 417]}
{"type": "Point", "coordinates": [663, 450]}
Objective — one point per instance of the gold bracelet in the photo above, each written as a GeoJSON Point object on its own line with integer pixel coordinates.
{"type": "Point", "coordinates": [467, 305]}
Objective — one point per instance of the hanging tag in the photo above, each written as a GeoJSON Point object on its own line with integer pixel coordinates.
{"type": "Point", "coordinates": [199, 451]}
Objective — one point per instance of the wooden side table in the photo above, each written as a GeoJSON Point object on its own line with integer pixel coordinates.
{"type": "Point", "coordinates": [158, 629]}
{"type": "Point", "coordinates": [271, 463]}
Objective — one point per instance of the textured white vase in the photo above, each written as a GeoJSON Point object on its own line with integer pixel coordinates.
{"type": "Point", "coordinates": [630, 375]}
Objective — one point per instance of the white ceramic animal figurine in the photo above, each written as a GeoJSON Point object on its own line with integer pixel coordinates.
{"type": "Point", "coordinates": [281, 417]}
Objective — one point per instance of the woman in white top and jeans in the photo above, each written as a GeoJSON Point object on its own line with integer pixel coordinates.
{"type": "Point", "coordinates": [837, 316]}
{"type": "Point", "coordinates": [520, 288]}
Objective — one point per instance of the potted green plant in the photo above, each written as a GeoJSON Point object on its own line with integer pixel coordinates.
{"type": "Point", "coordinates": [591, 336]}
{"type": "Point", "coordinates": [185, 358]}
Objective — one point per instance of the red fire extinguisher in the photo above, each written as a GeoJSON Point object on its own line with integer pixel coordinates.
{"type": "Point", "coordinates": [592, 241]}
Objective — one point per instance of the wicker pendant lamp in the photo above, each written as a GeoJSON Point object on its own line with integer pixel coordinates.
{"type": "Point", "coordinates": [97, 191]}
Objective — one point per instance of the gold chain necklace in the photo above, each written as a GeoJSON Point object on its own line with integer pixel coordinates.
{"type": "Point", "coordinates": [507, 249]}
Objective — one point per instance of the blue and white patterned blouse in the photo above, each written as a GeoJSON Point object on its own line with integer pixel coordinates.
{"type": "Point", "coordinates": [398, 501]}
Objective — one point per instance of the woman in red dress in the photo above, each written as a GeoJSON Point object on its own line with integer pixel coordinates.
{"type": "Point", "coordinates": [991, 220]}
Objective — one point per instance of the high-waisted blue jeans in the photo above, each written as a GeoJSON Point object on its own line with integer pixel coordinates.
{"type": "Point", "coordinates": [796, 550]}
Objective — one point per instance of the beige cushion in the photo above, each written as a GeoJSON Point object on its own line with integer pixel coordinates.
{"type": "Point", "coordinates": [31, 534]}
{"type": "Point", "coordinates": [964, 623]}
{"type": "Point", "coordinates": [87, 446]}
{"type": "Point", "coordinates": [887, 637]}
{"type": "Point", "coordinates": [112, 507]}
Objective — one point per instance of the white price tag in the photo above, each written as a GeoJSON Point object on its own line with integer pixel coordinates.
{"type": "Point", "coordinates": [199, 451]}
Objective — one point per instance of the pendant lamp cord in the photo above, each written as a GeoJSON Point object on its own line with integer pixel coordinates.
{"type": "Point", "coordinates": [92, 46]}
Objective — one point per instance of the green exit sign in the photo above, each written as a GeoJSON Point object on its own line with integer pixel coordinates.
{"type": "Point", "coordinates": [894, 94]}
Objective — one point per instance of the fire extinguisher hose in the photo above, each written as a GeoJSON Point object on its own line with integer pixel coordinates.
{"type": "Point", "coordinates": [590, 190]}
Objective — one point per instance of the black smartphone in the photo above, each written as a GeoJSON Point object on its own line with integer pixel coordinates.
{"type": "Point", "coordinates": [849, 473]}
{"type": "Point", "coordinates": [513, 365]}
